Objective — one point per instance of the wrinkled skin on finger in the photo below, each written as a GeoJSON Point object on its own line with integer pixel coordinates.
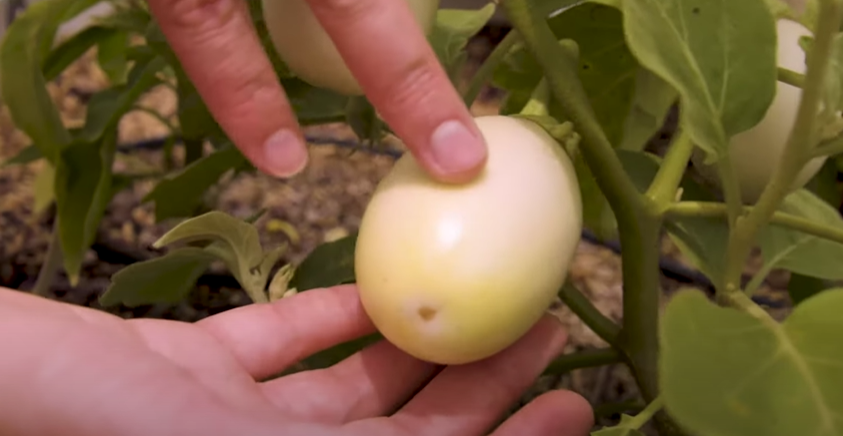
{"type": "Point", "coordinates": [93, 373]}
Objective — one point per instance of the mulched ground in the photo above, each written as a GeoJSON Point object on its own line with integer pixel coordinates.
{"type": "Point", "coordinates": [324, 202]}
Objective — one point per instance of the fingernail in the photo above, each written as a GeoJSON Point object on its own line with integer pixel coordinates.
{"type": "Point", "coordinates": [285, 154]}
{"type": "Point", "coordinates": [455, 148]}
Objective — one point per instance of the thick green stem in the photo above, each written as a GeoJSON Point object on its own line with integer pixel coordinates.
{"type": "Point", "coordinates": [596, 321]}
{"type": "Point", "coordinates": [639, 229]}
{"type": "Point", "coordinates": [640, 239]}
{"type": "Point", "coordinates": [662, 192]}
{"type": "Point", "coordinates": [583, 359]}
{"type": "Point", "coordinates": [489, 65]}
{"type": "Point", "coordinates": [51, 265]}
{"type": "Point", "coordinates": [798, 151]}
{"type": "Point", "coordinates": [781, 219]}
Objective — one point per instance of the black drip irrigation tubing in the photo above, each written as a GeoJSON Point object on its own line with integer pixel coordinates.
{"type": "Point", "coordinates": [670, 268]}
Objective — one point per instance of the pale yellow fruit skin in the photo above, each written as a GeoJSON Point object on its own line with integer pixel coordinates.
{"type": "Point", "coordinates": [487, 258]}
{"type": "Point", "coordinates": [756, 152]}
{"type": "Point", "coordinates": [301, 41]}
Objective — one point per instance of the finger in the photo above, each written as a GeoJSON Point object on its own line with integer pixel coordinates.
{"type": "Point", "coordinates": [268, 338]}
{"type": "Point", "coordinates": [555, 413]}
{"type": "Point", "coordinates": [468, 399]}
{"type": "Point", "coordinates": [220, 51]}
{"type": "Point", "coordinates": [384, 46]}
{"type": "Point", "coordinates": [367, 384]}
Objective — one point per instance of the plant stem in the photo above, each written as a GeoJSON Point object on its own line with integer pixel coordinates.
{"type": "Point", "coordinates": [488, 67]}
{"type": "Point", "coordinates": [798, 151]}
{"type": "Point", "coordinates": [560, 67]}
{"type": "Point", "coordinates": [596, 321]}
{"type": "Point", "coordinates": [538, 100]}
{"type": "Point", "coordinates": [51, 265]}
{"type": "Point", "coordinates": [640, 238]}
{"type": "Point", "coordinates": [642, 418]}
{"type": "Point", "coordinates": [791, 77]}
{"type": "Point", "coordinates": [781, 219]}
{"type": "Point", "coordinates": [662, 192]}
{"type": "Point", "coordinates": [639, 229]}
{"type": "Point", "coordinates": [583, 359]}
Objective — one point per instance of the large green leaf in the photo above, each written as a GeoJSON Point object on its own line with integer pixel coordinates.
{"type": "Point", "coordinates": [795, 251]}
{"type": "Point", "coordinates": [181, 193]}
{"type": "Point", "coordinates": [167, 279]}
{"type": "Point", "coordinates": [650, 105]}
{"type": "Point", "coordinates": [83, 191]}
{"type": "Point", "coordinates": [720, 55]}
{"type": "Point", "coordinates": [73, 48]}
{"type": "Point", "coordinates": [111, 56]}
{"type": "Point", "coordinates": [728, 373]}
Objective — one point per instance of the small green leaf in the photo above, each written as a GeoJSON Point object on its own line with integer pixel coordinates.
{"type": "Point", "coordinates": [330, 264]}
{"type": "Point", "coordinates": [720, 56]}
{"type": "Point", "coordinates": [73, 48]}
{"type": "Point", "coordinates": [452, 31]}
{"type": "Point", "coordinates": [23, 88]}
{"type": "Point", "coordinates": [83, 191]}
{"type": "Point", "coordinates": [703, 241]}
{"type": "Point", "coordinates": [236, 238]}
{"type": "Point", "coordinates": [651, 103]}
{"type": "Point", "coordinates": [726, 372]}
{"type": "Point", "coordinates": [44, 189]}
{"type": "Point", "coordinates": [111, 56]}
{"type": "Point", "coordinates": [167, 279]}
{"type": "Point", "coordinates": [107, 107]}
{"type": "Point", "coordinates": [181, 193]}
{"type": "Point", "coordinates": [332, 356]}
{"type": "Point", "coordinates": [801, 287]}
{"type": "Point", "coordinates": [805, 254]}
{"type": "Point", "coordinates": [364, 120]}
{"type": "Point", "coordinates": [29, 154]}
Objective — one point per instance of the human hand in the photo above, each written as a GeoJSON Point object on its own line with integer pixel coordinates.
{"type": "Point", "coordinates": [221, 53]}
{"type": "Point", "coordinates": [76, 371]}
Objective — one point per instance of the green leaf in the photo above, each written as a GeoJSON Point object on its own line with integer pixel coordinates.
{"type": "Point", "coordinates": [167, 279]}
{"type": "Point", "coordinates": [29, 154]}
{"type": "Point", "coordinates": [73, 48]}
{"type": "Point", "coordinates": [237, 240]}
{"type": "Point", "coordinates": [314, 105]}
{"type": "Point", "coordinates": [111, 56]}
{"type": "Point", "coordinates": [181, 193]}
{"type": "Point", "coordinates": [452, 31]}
{"type": "Point", "coordinates": [801, 287]}
{"type": "Point", "coordinates": [607, 69]}
{"type": "Point", "coordinates": [364, 120]}
{"type": "Point", "coordinates": [83, 191]}
{"type": "Point", "coordinates": [23, 88]}
{"type": "Point", "coordinates": [720, 55]}
{"type": "Point", "coordinates": [728, 373]}
{"type": "Point", "coordinates": [330, 264]}
{"type": "Point", "coordinates": [651, 103]}
{"type": "Point", "coordinates": [805, 254]}
{"type": "Point", "coordinates": [107, 107]}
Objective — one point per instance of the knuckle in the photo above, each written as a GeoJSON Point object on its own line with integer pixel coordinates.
{"type": "Point", "coordinates": [414, 88]}
{"type": "Point", "coordinates": [202, 15]}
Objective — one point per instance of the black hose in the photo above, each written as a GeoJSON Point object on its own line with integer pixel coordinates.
{"type": "Point", "coordinates": [670, 268]}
